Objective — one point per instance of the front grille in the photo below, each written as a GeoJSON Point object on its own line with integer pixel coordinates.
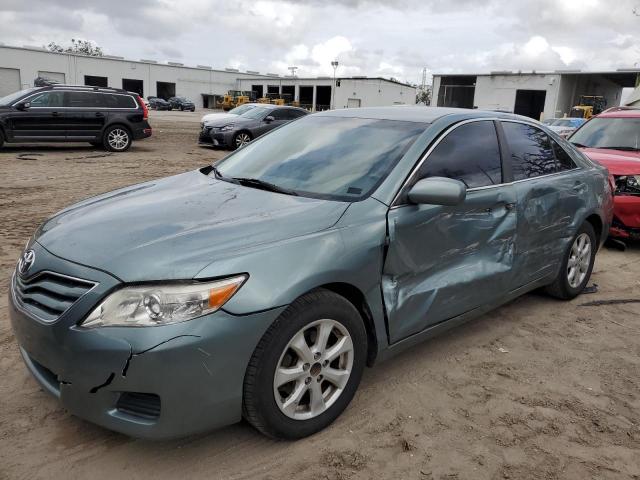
{"type": "Point", "coordinates": [145, 405]}
{"type": "Point", "coordinates": [48, 295]}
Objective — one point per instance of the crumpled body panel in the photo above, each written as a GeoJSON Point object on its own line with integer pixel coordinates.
{"type": "Point", "coordinates": [444, 261]}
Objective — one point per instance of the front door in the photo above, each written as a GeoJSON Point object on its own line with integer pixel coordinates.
{"type": "Point", "coordinates": [43, 119]}
{"type": "Point", "coordinates": [444, 261]}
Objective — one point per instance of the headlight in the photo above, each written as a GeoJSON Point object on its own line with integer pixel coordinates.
{"type": "Point", "coordinates": [162, 304]}
{"type": "Point", "coordinates": [227, 128]}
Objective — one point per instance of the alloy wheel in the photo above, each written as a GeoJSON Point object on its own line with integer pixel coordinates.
{"type": "Point", "coordinates": [579, 260]}
{"type": "Point", "coordinates": [313, 370]}
{"type": "Point", "coordinates": [118, 139]}
{"type": "Point", "coordinates": [242, 139]}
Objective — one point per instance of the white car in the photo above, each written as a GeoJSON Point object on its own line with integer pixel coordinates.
{"type": "Point", "coordinates": [230, 114]}
{"type": "Point", "coordinates": [566, 126]}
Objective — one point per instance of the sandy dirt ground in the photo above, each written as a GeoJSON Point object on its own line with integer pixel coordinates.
{"type": "Point", "coordinates": [537, 389]}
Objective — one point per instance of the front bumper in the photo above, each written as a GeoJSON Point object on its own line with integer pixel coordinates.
{"type": "Point", "coordinates": [194, 370]}
{"type": "Point", "coordinates": [626, 217]}
{"type": "Point", "coordinates": [215, 138]}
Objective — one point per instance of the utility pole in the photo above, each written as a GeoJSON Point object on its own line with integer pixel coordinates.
{"type": "Point", "coordinates": [334, 64]}
{"type": "Point", "coordinates": [293, 70]}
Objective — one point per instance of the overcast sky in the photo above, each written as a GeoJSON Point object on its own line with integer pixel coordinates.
{"type": "Point", "coordinates": [368, 37]}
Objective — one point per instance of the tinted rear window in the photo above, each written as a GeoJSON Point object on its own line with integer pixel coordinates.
{"type": "Point", "coordinates": [531, 151]}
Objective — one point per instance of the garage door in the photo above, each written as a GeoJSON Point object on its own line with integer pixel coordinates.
{"type": "Point", "coordinates": [353, 103]}
{"type": "Point", "coordinates": [9, 81]}
{"type": "Point", "coordinates": [55, 76]}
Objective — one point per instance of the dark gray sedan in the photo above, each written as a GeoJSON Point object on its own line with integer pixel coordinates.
{"type": "Point", "coordinates": [263, 285]}
{"type": "Point", "coordinates": [241, 129]}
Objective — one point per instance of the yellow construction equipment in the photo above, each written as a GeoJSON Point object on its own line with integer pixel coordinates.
{"type": "Point", "coordinates": [589, 106]}
{"type": "Point", "coordinates": [235, 98]}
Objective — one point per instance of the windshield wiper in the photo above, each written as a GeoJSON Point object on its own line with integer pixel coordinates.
{"type": "Point", "coordinates": [626, 149]}
{"type": "Point", "coordinates": [579, 145]}
{"type": "Point", "coordinates": [257, 183]}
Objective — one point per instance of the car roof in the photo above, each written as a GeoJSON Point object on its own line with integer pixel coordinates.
{"type": "Point", "coordinates": [410, 113]}
{"type": "Point", "coordinates": [620, 112]}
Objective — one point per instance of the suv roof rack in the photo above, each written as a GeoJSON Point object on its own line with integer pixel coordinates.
{"type": "Point", "coordinates": [89, 87]}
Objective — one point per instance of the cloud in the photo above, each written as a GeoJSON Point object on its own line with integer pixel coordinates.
{"type": "Point", "coordinates": [368, 37]}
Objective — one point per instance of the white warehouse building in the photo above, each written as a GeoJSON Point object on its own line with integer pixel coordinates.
{"type": "Point", "coordinates": [204, 85]}
{"type": "Point", "coordinates": [537, 95]}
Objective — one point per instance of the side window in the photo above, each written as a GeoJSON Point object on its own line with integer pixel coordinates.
{"type": "Point", "coordinates": [48, 100]}
{"type": "Point", "coordinates": [531, 151]}
{"type": "Point", "coordinates": [296, 113]}
{"type": "Point", "coordinates": [279, 114]}
{"type": "Point", "coordinates": [83, 100]}
{"type": "Point", "coordinates": [563, 159]}
{"type": "Point", "coordinates": [110, 100]}
{"type": "Point", "coordinates": [470, 153]}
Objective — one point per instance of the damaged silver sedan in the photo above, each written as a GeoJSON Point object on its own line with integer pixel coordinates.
{"type": "Point", "coordinates": [260, 287]}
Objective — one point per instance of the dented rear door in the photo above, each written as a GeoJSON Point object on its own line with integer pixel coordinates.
{"type": "Point", "coordinates": [444, 261]}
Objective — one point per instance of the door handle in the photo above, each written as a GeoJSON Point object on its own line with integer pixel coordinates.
{"type": "Point", "coordinates": [509, 206]}
{"type": "Point", "coordinates": [99, 115]}
{"type": "Point", "coordinates": [55, 114]}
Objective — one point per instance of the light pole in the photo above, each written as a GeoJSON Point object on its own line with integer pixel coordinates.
{"type": "Point", "coordinates": [334, 64]}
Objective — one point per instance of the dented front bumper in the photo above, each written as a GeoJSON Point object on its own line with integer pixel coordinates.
{"type": "Point", "coordinates": [150, 382]}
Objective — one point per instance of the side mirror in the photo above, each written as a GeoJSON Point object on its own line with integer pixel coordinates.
{"type": "Point", "coordinates": [23, 105]}
{"type": "Point", "coordinates": [438, 191]}
{"type": "Point", "coordinates": [269, 118]}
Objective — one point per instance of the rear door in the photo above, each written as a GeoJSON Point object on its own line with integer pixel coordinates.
{"type": "Point", "coordinates": [550, 191]}
{"type": "Point", "coordinates": [86, 115]}
{"type": "Point", "coordinates": [444, 261]}
{"type": "Point", "coordinates": [43, 120]}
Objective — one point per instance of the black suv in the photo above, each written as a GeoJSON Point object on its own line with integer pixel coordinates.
{"type": "Point", "coordinates": [181, 103]}
{"type": "Point", "coordinates": [63, 113]}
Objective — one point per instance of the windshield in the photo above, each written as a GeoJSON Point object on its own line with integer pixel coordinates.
{"type": "Point", "coordinates": [12, 97]}
{"type": "Point", "coordinates": [325, 157]}
{"type": "Point", "coordinates": [256, 113]}
{"type": "Point", "coordinates": [241, 109]}
{"type": "Point", "coordinates": [616, 133]}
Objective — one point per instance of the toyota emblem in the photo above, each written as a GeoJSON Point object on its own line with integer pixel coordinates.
{"type": "Point", "coordinates": [25, 262]}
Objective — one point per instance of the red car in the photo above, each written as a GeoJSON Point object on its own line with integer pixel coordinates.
{"type": "Point", "coordinates": [613, 139]}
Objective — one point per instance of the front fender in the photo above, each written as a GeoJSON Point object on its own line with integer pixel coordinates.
{"type": "Point", "coordinates": [351, 252]}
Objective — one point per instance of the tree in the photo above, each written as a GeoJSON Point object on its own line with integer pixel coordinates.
{"type": "Point", "coordinates": [424, 95]}
{"type": "Point", "coordinates": [82, 47]}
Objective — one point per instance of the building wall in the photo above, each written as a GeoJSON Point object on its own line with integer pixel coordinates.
{"type": "Point", "coordinates": [573, 86]}
{"type": "Point", "coordinates": [371, 92]}
{"type": "Point", "coordinates": [190, 82]}
{"type": "Point", "coordinates": [498, 92]}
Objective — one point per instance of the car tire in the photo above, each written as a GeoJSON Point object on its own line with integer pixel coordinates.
{"type": "Point", "coordinates": [117, 138]}
{"type": "Point", "coordinates": [182, 109]}
{"type": "Point", "coordinates": [240, 139]}
{"type": "Point", "coordinates": [325, 381]}
{"type": "Point", "coordinates": [577, 264]}
{"type": "Point", "coordinates": [1, 138]}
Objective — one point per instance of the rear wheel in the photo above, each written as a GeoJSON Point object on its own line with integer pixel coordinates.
{"type": "Point", "coordinates": [117, 139]}
{"type": "Point", "coordinates": [306, 368]}
{"type": "Point", "coordinates": [1, 138]}
{"type": "Point", "coordinates": [240, 139]}
{"type": "Point", "coordinates": [577, 265]}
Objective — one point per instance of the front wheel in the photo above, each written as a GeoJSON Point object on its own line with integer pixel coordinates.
{"type": "Point", "coordinates": [1, 138]}
{"type": "Point", "coordinates": [117, 139]}
{"type": "Point", "coordinates": [306, 368]}
{"type": "Point", "coordinates": [240, 139]}
{"type": "Point", "coordinates": [577, 264]}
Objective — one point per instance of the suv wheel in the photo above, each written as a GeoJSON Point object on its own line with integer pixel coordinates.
{"type": "Point", "coordinates": [117, 139]}
{"type": "Point", "coordinates": [577, 265]}
{"type": "Point", "coordinates": [306, 368]}
{"type": "Point", "coordinates": [1, 138]}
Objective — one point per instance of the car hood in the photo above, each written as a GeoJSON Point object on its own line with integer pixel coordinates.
{"type": "Point", "coordinates": [237, 120]}
{"type": "Point", "coordinates": [210, 117]}
{"type": "Point", "coordinates": [174, 227]}
{"type": "Point", "coordinates": [618, 162]}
